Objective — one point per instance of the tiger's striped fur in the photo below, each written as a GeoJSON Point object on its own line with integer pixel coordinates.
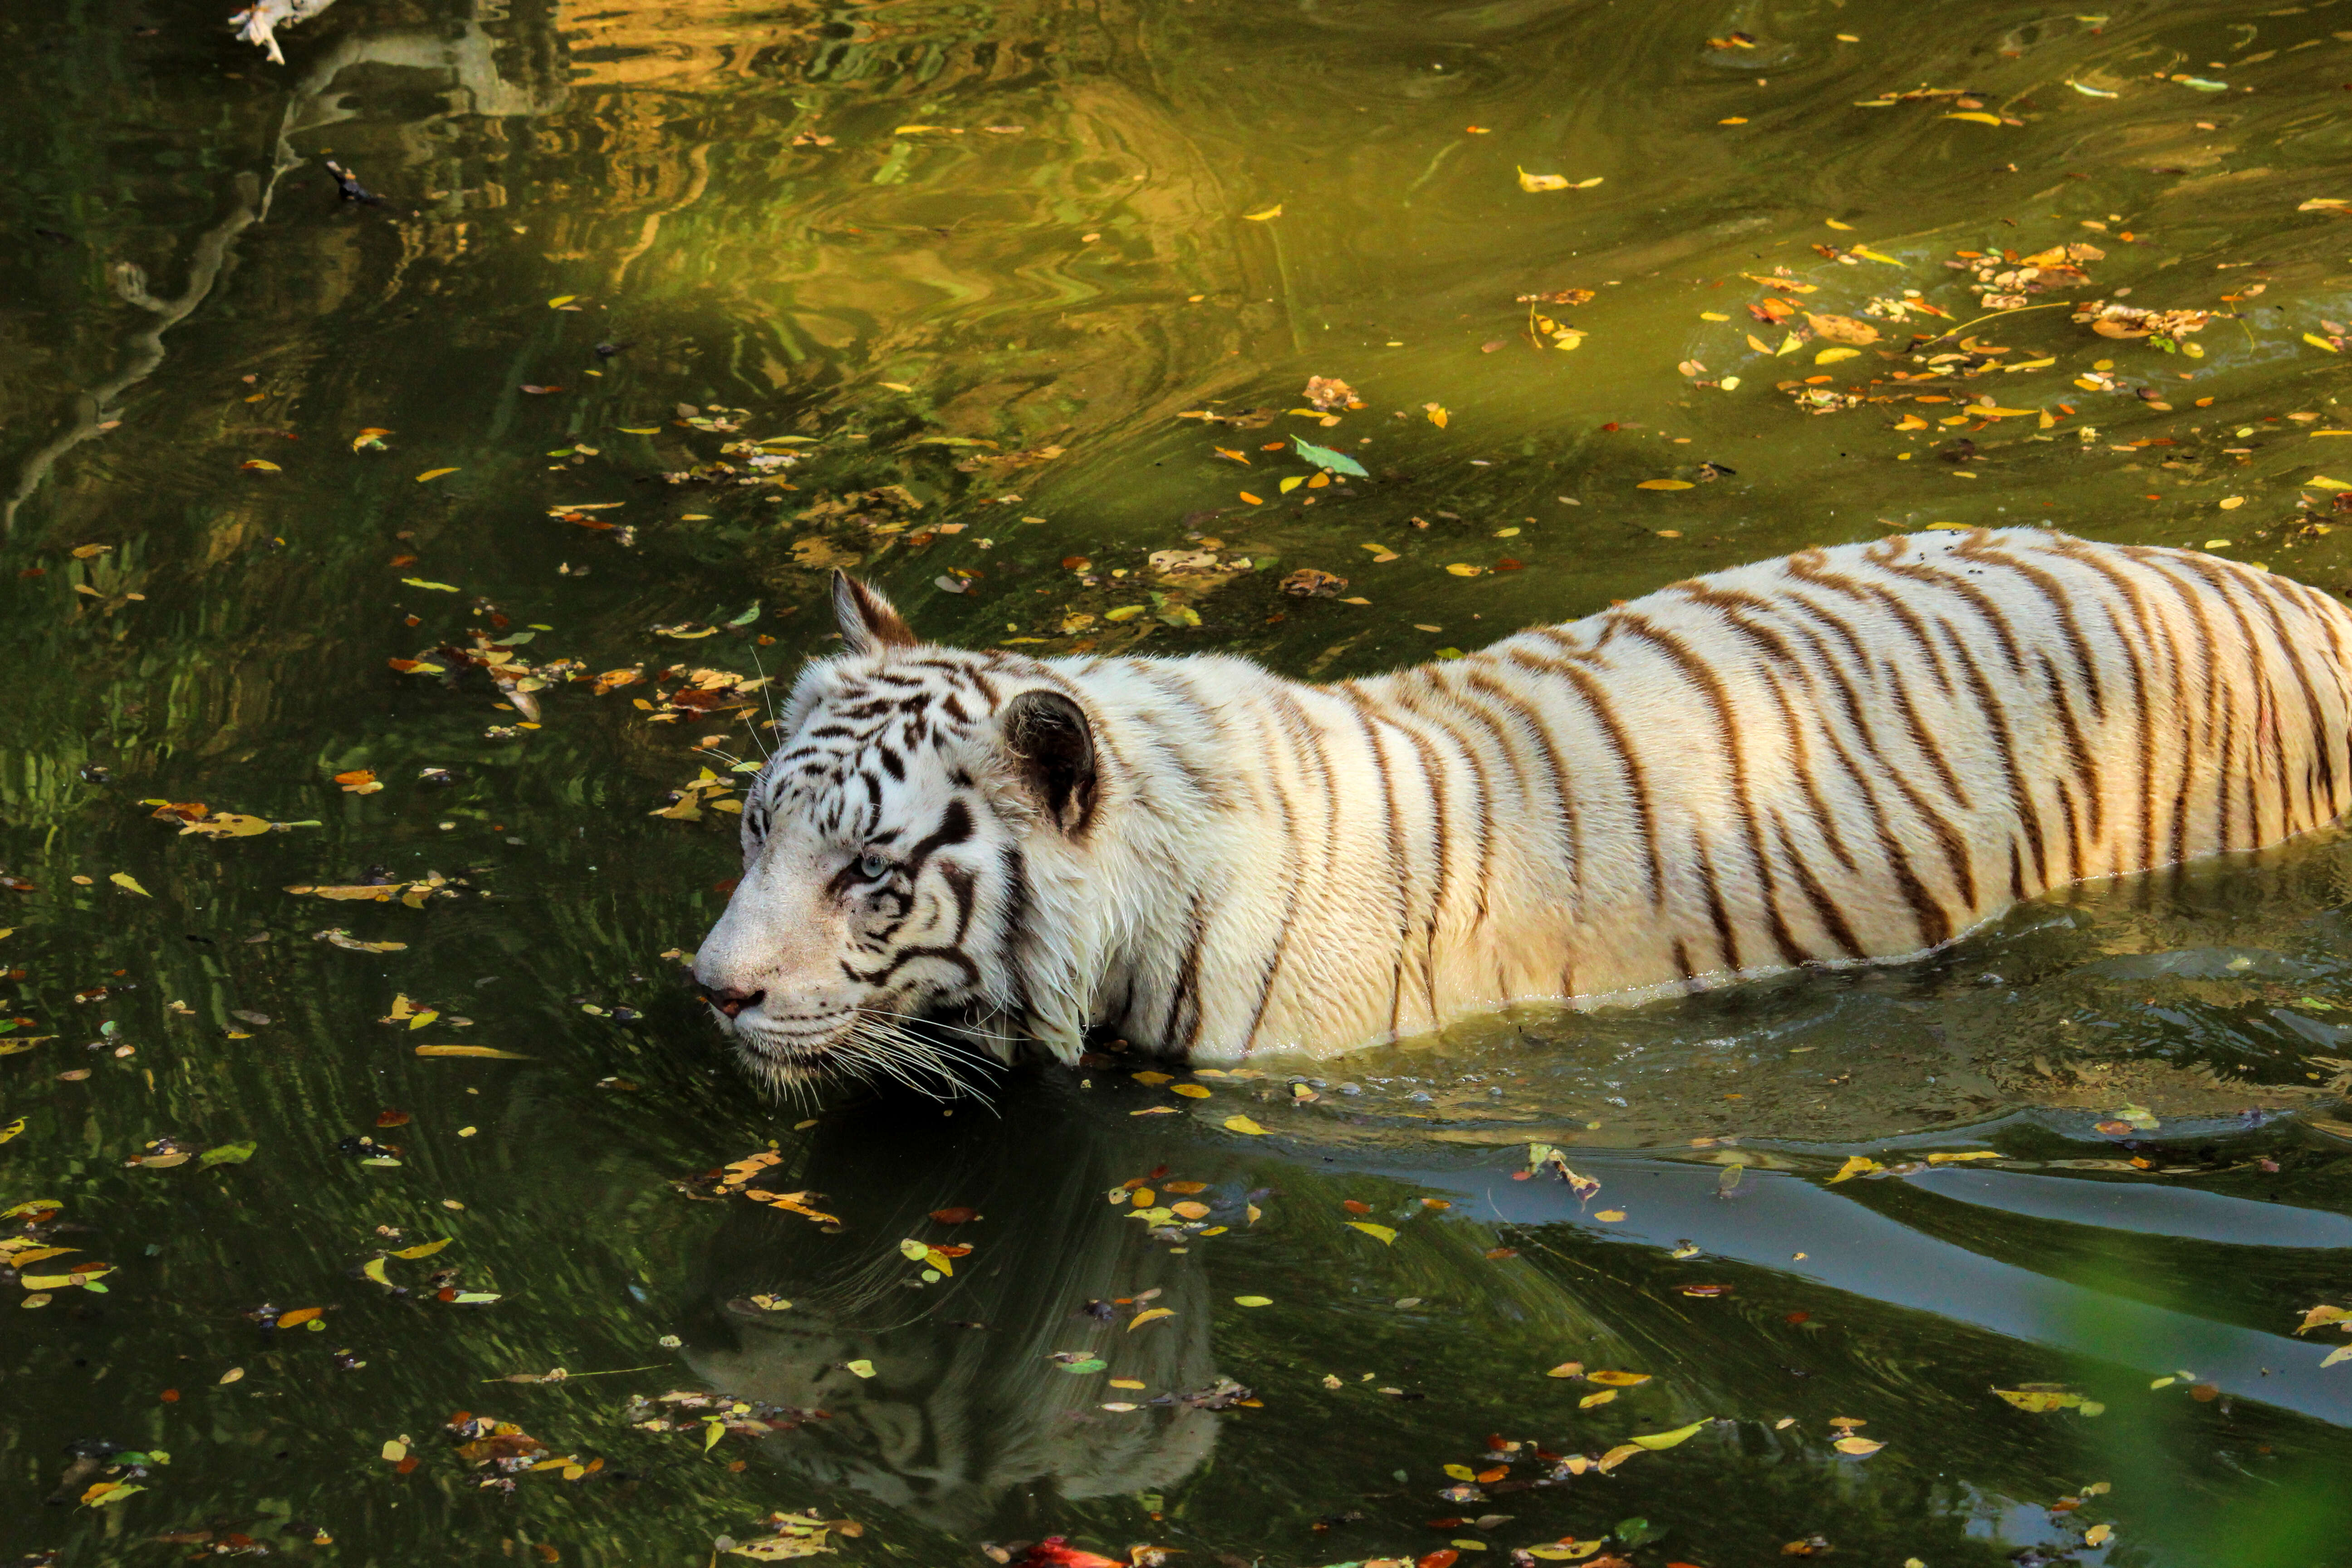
{"type": "Point", "coordinates": [1853, 753]}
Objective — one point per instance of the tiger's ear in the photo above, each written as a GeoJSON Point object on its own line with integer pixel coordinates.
{"type": "Point", "coordinates": [1054, 746]}
{"type": "Point", "coordinates": [868, 623]}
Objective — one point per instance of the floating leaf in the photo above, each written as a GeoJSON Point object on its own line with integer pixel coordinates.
{"type": "Point", "coordinates": [1242, 1124]}
{"type": "Point", "coordinates": [436, 587]}
{"type": "Point", "coordinates": [1831, 356]}
{"type": "Point", "coordinates": [229, 1154]}
{"type": "Point", "coordinates": [1620, 1379]}
{"type": "Point", "coordinates": [492, 1052]}
{"type": "Point", "coordinates": [1326, 459]}
{"type": "Point", "coordinates": [1977, 115]}
{"type": "Point", "coordinates": [1590, 1400]}
{"type": "Point", "coordinates": [1856, 1165]}
{"type": "Point", "coordinates": [1663, 485]}
{"type": "Point", "coordinates": [2041, 1401]}
{"type": "Point", "coordinates": [1263, 215]}
{"type": "Point", "coordinates": [1860, 1447]}
{"type": "Point", "coordinates": [129, 884]}
{"type": "Point", "coordinates": [1383, 1234]}
{"type": "Point", "coordinates": [1149, 1315]}
{"type": "Point", "coordinates": [433, 474]}
{"type": "Point", "coordinates": [1254, 1300]}
{"type": "Point", "coordinates": [1657, 1440]}
{"type": "Point", "coordinates": [423, 1249]}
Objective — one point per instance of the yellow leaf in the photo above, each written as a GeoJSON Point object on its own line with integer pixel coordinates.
{"type": "Point", "coordinates": [1713, 316]}
{"type": "Point", "coordinates": [393, 1450]}
{"type": "Point", "coordinates": [1251, 498]}
{"type": "Point", "coordinates": [1124, 612]}
{"type": "Point", "coordinates": [1663, 485]}
{"type": "Point", "coordinates": [1618, 1456]}
{"type": "Point", "coordinates": [374, 1269]}
{"type": "Point", "coordinates": [1834, 224]}
{"type": "Point", "coordinates": [1657, 1440]}
{"type": "Point", "coordinates": [2039, 1400]}
{"type": "Point", "coordinates": [1462, 1472]}
{"type": "Point", "coordinates": [1758, 344]}
{"type": "Point", "coordinates": [1858, 1447]}
{"type": "Point", "coordinates": [1565, 1551]}
{"type": "Point", "coordinates": [914, 130]}
{"type": "Point", "coordinates": [1977, 115]}
{"type": "Point", "coordinates": [861, 1368]}
{"type": "Point", "coordinates": [1620, 1379]}
{"type": "Point", "coordinates": [424, 1249]}
{"type": "Point", "coordinates": [11, 1130]}
{"type": "Point", "coordinates": [1263, 215]}
{"type": "Point", "coordinates": [433, 474]}
{"type": "Point", "coordinates": [490, 1051]}
{"type": "Point", "coordinates": [1380, 1232]}
{"type": "Point", "coordinates": [2231, 503]}
{"type": "Point", "coordinates": [1463, 569]}
{"type": "Point", "coordinates": [1869, 255]}
{"type": "Point", "coordinates": [1567, 1369]}
{"type": "Point", "coordinates": [2316, 341]}
{"type": "Point", "coordinates": [1590, 1400]}
{"type": "Point", "coordinates": [2098, 1534]}
{"type": "Point", "coordinates": [1149, 1315]}
{"type": "Point", "coordinates": [1856, 1165]}
{"type": "Point", "coordinates": [129, 884]}
{"type": "Point", "coordinates": [1242, 1124]}
{"type": "Point", "coordinates": [1191, 1090]}
{"type": "Point", "coordinates": [261, 465]}
{"type": "Point", "coordinates": [2316, 481]}
{"type": "Point", "coordinates": [1831, 356]}
{"type": "Point", "coordinates": [1293, 482]}
{"type": "Point", "coordinates": [1252, 1300]}
{"type": "Point", "coordinates": [1971, 1155]}
{"type": "Point", "coordinates": [1542, 182]}
{"type": "Point", "coordinates": [1437, 415]}
{"type": "Point", "coordinates": [560, 301]}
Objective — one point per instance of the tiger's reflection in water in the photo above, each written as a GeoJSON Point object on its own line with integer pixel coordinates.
{"type": "Point", "coordinates": [966, 1403]}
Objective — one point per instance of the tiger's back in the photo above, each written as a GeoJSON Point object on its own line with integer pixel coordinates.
{"type": "Point", "coordinates": [1850, 754]}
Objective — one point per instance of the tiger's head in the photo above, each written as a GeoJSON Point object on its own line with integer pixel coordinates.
{"type": "Point", "coordinates": [920, 805]}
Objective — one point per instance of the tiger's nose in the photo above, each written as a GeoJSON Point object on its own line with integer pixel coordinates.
{"type": "Point", "coordinates": [730, 1002]}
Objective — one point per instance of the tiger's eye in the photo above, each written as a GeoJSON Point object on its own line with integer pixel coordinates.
{"type": "Point", "coordinates": [872, 866]}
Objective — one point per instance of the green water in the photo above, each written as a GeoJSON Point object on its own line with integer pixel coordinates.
{"type": "Point", "coordinates": [1069, 261]}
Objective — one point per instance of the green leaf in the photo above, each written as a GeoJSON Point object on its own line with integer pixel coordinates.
{"type": "Point", "coordinates": [228, 1155]}
{"type": "Point", "coordinates": [1336, 462]}
{"type": "Point", "coordinates": [748, 616]}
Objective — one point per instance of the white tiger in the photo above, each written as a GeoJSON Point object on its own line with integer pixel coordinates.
{"type": "Point", "coordinates": [1849, 754]}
